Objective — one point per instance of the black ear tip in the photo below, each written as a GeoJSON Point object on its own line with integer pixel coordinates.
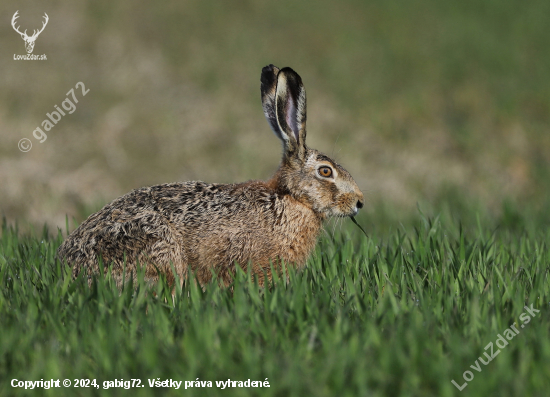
{"type": "Point", "coordinates": [269, 68]}
{"type": "Point", "coordinates": [288, 69]}
{"type": "Point", "coordinates": [292, 75]}
{"type": "Point", "coordinates": [269, 74]}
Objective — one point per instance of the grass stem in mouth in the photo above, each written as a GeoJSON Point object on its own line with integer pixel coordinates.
{"type": "Point", "coordinates": [359, 226]}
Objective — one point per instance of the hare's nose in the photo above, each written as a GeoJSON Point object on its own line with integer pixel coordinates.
{"type": "Point", "coordinates": [359, 204]}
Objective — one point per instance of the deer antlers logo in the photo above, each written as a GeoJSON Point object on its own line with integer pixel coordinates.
{"type": "Point", "coordinates": [29, 41]}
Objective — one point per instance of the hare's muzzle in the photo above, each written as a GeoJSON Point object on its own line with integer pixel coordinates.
{"type": "Point", "coordinates": [357, 206]}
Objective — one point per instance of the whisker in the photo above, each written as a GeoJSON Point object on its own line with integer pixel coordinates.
{"type": "Point", "coordinates": [334, 228]}
{"type": "Point", "coordinates": [332, 155]}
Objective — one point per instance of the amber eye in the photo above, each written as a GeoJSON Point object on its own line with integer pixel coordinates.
{"type": "Point", "coordinates": [325, 172]}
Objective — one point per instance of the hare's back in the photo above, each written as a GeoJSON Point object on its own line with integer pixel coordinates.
{"type": "Point", "coordinates": [129, 227]}
{"type": "Point", "coordinates": [167, 222]}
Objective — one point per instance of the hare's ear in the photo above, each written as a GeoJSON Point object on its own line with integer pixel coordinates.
{"type": "Point", "coordinates": [269, 88]}
{"type": "Point", "coordinates": [284, 101]}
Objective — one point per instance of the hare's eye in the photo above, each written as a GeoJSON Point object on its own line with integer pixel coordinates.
{"type": "Point", "coordinates": [325, 172]}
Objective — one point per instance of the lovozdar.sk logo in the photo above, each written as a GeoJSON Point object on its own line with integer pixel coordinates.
{"type": "Point", "coordinates": [29, 40]}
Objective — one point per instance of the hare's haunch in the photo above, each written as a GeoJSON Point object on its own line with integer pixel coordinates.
{"type": "Point", "coordinates": [208, 228]}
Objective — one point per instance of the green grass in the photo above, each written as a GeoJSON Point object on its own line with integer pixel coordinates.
{"type": "Point", "coordinates": [442, 103]}
{"type": "Point", "coordinates": [399, 315]}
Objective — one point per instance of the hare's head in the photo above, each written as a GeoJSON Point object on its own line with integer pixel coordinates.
{"type": "Point", "coordinates": [308, 175]}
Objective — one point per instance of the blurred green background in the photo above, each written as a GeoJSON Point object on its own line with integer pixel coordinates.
{"type": "Point", "coordinates": [445, 104]}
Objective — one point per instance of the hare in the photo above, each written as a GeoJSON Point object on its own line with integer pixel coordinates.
{"type": "Point", "coordinates": [210, 228]}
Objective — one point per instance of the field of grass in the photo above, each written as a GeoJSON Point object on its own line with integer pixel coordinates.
{"type": "Point", "coordinates": [400, 313]}
{"type": "Point", "coordinates": [444, 105]}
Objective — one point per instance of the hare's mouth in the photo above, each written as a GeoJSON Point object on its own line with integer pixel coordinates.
{"type": "Point", "coordinates": [340, 213]}
{"type": "Point", "coordinates": [355, 211]}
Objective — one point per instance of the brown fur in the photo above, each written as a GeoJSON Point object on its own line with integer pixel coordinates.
{"type": "Point", "coordinates": [208, 228]}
